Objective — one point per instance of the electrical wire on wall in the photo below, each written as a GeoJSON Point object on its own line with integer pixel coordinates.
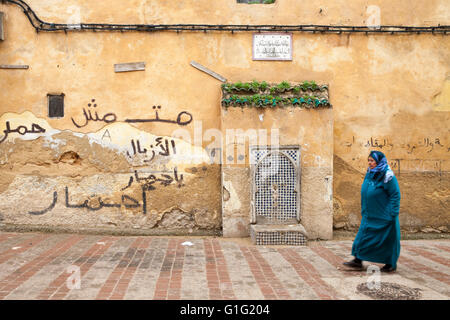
{"type": "Point", "coordinates": [40, 25]}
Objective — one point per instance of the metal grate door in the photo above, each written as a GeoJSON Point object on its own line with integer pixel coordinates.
{"type": "Point", "coordinates": [275, 173]}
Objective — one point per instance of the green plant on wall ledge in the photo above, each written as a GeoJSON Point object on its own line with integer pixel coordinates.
{"type": "Point", "coordinates": [284, 86]}
{"type": "Point", "coordinates": [261, 94]}
{"type": "Point", "coordinates": [273, 101]}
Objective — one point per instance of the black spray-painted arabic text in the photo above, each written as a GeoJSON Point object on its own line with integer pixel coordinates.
{"type": "Point", "coordinates": [183, 118]}
{"type": "Point", "coordinates": [146, 184]}
{"type": "Point", "coordinates": [22, 130]}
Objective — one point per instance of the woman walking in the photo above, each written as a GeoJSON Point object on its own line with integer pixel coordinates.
{"type": "Point", "coordinates": [378, 237]}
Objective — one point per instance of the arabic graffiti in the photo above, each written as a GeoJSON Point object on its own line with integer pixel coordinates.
{"type": "Point", "coordinates": [22, 130]}
{"type": "Point", "coordinates": [165, 149]}
{"type": "Point", "coordinates": [148, 182]}
{"type": "Point", "coordinates": [145, 184]}
{"type": "Point", "coordinates": [158, 119]}
{"type": "Point", "coordinates": [371, 143]}
{"type": "Point", "coordinates": [395, 165]}
{"type": "Point", "coordinates": [38, 213]}
{"type": "Point", "coordinates": [101, 204]}
{"type": "Point", "coordinates": [107, 118]}
{"type": "Point", "coordinates": [183, 118]}
{"type": "Point", "coordinates": [375, 143]}
{"type": "Point", "coordinates": [426, 143]}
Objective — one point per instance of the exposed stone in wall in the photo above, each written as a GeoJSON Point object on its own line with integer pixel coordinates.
{"type": "Point", "coordinates": [68, 179]}
{"type": "Point", "coordinates": [236, 201]}
{"type": "Point", "coordinates": [176, 219]}
{"type": "Point", "coordinates": [424, 203]}
{"type": "Point", "coordinates": [316, 202]}
{"type": "Point", "coordinates": [346, 195]}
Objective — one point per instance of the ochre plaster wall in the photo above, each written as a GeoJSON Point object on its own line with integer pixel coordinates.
{"type": "Point", "coordinates": [388, 92]}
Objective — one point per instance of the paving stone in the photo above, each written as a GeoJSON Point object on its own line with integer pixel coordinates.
{"type": "Point", "coordinates": [212, 268]}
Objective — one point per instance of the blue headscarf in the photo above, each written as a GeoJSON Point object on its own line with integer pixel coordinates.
{"type": "Point", "coordinates": [382, 170]}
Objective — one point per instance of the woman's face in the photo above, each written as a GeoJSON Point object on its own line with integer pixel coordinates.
{"type": "Point", "coordinates": [372, 163]}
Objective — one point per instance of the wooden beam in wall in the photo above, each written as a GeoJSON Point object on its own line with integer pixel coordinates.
{"type": "Point", "coordinates": [206, 70]}
{"type": "Point", "coordinates": [12, 66]}
{"type": "Point", "coordinates": [2, 33]}
{"type": "Point", "coordinates": [130, 66]}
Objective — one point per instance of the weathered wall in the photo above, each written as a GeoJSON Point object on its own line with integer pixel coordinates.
{"type": "Point", "coordinates": [311, 130]}
{"type": "Point", "coordinates": [389, 92]}
{"type": "Point", "coordinates": [93, 181]}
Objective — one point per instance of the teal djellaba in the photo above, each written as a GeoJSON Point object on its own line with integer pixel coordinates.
{"type": "Point", "coordinates": [378, 237]}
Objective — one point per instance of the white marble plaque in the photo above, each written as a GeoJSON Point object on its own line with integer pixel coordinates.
{"type": "Point", "coordinates": [272, 46]}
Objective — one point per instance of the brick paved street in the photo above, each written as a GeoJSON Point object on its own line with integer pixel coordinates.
{"type": "Point", "coordinates": [48, 266]}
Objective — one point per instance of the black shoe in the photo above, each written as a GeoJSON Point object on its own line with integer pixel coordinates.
{"type": "Point", "coordinates": [387, 268]}
{"type": "Point", "coordinates": [354, 264]}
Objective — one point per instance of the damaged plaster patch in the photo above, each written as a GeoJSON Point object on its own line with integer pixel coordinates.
{"type": "Point", "coordinates": [53, 143]}
{"type": "Point", "coordinates": [102, 201]}
{"type": "Point", "coordinates": [441, 101]}
{"type": "Point", "coordinates": [233, 203]}
{"type": "Point", "coordinates": [56, 178]}
{"type": "Point", "coordinates": [177, 219]}
{"type": "Point", "coordinates": [117, 137]}
{"type": "Point", "coordinates": [70, 157]}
